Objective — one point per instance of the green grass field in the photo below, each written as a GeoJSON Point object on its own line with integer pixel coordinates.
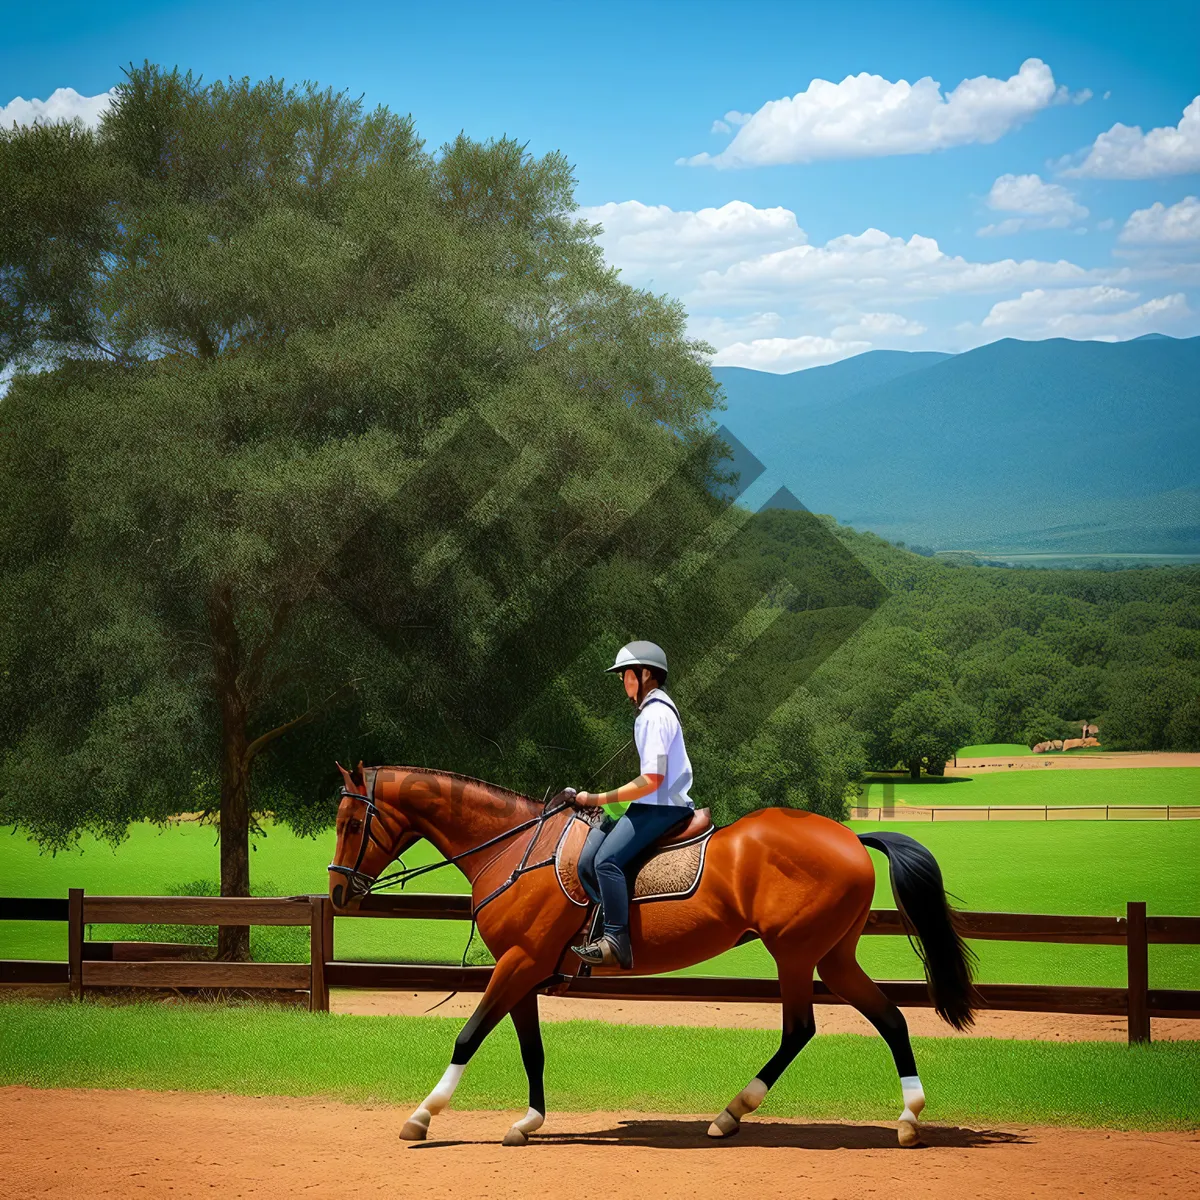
{"type": "Point", "coordinates": [1120, 786]}
{"type": "Point", "coordinates": [996, 750]}
{"type": "Point", "coordinates": [1090, 867]}
{"type": "Point", "coordinates": [395, 1060]}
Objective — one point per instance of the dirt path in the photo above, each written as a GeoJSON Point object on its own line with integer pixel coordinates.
{"type": "Point", "coordinates": [75, 1145]}
{"type": "Point", "coordinates": [831, 1018]}
{"type": "Point", "coordinates": [1074, 762]}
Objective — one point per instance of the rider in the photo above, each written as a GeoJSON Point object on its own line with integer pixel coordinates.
{"type": "Point", "coordinates": [647, 808]}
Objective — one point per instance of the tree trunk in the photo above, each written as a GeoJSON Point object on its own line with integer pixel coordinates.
{"type": "Point", "coordinates": [233, 941]}
{"type": "Point", "coordinates": [914, 769]}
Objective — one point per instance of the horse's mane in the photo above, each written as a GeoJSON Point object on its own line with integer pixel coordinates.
{"type": "Point", "coordinates": [483, 783]}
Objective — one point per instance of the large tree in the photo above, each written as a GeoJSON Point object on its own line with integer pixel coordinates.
{"type": "Point", "coordinates": [317, 443]}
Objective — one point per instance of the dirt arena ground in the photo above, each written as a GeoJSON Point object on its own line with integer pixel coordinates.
{"type": "Point", "coordinates": [1074, 762]}
{"type": "Point", "coordinates": [75, 1145]}
{"type": "Point", "coordinates": [831, 1018]}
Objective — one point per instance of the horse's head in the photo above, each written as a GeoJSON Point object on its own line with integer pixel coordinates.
{"type": "Point", "coordinates": [369, 838]}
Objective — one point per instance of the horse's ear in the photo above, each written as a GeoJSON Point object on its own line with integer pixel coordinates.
{"type": "Point", "coordinates": [362, 775]}
{"type": "Point", "coordinates": [346, 776]}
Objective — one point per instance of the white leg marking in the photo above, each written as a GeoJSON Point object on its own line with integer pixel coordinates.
{"type": "Point", "coordinates": [745, 1102]}
{"type": "Point", "coordinates": [444, 1092]}
{"type": "Point", "coordinates": [416, 1128]}
{"type": "Point", "coordinates": [518, 1135]}
{"type": "Point", "coordinates": [908, 1127]}
{"type": "Point", "coordinates": [531, 1121]}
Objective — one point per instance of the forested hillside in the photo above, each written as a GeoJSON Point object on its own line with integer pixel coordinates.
{"type": "Point", "coordinates": [999, 655]}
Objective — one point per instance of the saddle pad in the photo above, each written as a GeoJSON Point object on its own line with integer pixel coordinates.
{"type": "Point", "coordinates": [670, 874]}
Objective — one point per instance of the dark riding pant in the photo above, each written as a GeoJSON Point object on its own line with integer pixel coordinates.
{"type": "Point", "coordinates": [641, 825]}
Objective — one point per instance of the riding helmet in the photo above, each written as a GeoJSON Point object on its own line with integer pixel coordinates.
{"type": "Point", "coordinates": [641, 654]}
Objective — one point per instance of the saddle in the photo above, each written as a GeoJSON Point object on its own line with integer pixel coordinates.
{"type": "Point", "coordinates": [669, 870]}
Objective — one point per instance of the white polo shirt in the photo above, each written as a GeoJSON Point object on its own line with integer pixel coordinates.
{"type": "Point", "coordinates": [658, 735]}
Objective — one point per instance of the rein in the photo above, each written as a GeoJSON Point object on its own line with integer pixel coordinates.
{"type": "Point", "coordinates": [361, 884]}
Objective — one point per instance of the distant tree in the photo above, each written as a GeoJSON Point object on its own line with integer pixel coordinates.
{"type": "Point", "coordinates": [869, 678]}
{"type": "Point", "coordinates": [1044, 726]}
{"type": "Point", "coordinates": [1183, 729]}
{"type": "Point", "coordinates": [928, 728]}
{"type": "Point", "coordinates": [956, 626]}
{"type": "Point", "coordinates": [802, 759]}
{"type": "Point", "coordinates": [1078, 695]}
{"type": "Point", "coordinates": [1149, 709]}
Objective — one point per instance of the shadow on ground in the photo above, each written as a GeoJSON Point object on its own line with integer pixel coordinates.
{"type": "Point", "coordinates": [689, 1134]}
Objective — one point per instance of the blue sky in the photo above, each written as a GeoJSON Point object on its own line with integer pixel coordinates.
{"type": "Point", "coordinates": [818, 219]}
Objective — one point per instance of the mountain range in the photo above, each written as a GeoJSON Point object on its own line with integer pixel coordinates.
{"type": "Point", "coordinates": [1048, 447]}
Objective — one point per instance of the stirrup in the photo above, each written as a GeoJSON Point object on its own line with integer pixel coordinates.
{"type": "Point", "coordinates": [605, 951]}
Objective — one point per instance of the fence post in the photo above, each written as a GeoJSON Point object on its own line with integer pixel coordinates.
{"type": "Point", "coordinates": [318, 953]}
{"type": "Point", "coordinates": [75, 942]}
{"type": "Point", "coordinates": [1137, 953]}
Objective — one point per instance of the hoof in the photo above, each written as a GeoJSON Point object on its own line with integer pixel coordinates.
{"type": "Point", "coordinates": [724, 1126]}
{"type": "Point", "coordinates": [514, 1137]}
{"type": "Point", "coordinates": [416, 1128]}
{"type": "Point", "coordinates": [908, 1134]}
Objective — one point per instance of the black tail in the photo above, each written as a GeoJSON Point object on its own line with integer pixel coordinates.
{"type": "Point", "coordinates": [921, 898]}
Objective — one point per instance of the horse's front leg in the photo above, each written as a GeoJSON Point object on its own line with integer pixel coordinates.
{"type": "Point", "coordinates": [529, 1034]}
{"type": "Point", "coordinates": [514, 977]}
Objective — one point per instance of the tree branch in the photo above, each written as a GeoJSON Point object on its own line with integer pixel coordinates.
{"type": "Point", "coordinates": [261, 743]}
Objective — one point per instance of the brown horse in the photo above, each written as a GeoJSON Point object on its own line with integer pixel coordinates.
{"type": "Point", "coordinates": [800, 882]}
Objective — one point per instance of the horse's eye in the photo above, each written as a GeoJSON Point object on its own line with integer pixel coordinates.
{"type": "Point", "coordinates": [354, 825]}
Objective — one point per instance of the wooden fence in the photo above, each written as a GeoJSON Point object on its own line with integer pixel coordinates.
{"type": "Point", "coordinates": [1025, 812]}
{"type": "Point", "coordinates": [143, 964]}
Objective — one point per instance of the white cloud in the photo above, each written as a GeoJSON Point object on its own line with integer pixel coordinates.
{"type": "Point", "coordinates": [1125, 152]}
{"type": "Point", "coordinates": [643, 239]}
{"type": "Point", "coordinates": [1040, 205]}
{"type": "Point", "coordinates": [722, 331]}
{"type": "Point", "coordinates": [1160, 225]}
{"type": "Point", "coordinates": [879, 326]}
{"type": "Point", "coordinates": [756, 289]}
{"type": "Point", "coordinates": [874, 265]}
{"type": "Point", "coordinates": [737, 118]}
{"type": "Point", "coordinates": [720, 127]}
{"type": "Point", "coordinates": [1088, 313]}
{"type": "Point", "coordinates": [64, 104]}
{"type": "Point", "coordinates": [867, 116]}
{"type": "Point", "coordinates": [781, 355]}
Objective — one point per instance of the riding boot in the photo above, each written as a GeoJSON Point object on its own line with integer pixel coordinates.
{"type": "Point", "coordinates": [608, 950]}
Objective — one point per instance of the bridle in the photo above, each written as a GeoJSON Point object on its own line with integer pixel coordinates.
{"type": "Point", "coordinates": [359, 883]}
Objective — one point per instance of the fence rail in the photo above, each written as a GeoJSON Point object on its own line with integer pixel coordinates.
{"type": "Point", "coordinates": [1025, 812]}
{"type": "Point", "coordinates": [151, 964]}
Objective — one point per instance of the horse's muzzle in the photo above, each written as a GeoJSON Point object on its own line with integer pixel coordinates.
{"type": "Point", "coordinates": [348, 894]}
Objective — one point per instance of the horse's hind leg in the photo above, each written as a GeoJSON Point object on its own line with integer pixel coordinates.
{"type": "Point", "coordinates": [839, 969]}
{"type": "Point", "coordinates": [795, 985]}
{"type": "Point", "coordinates": [529, 1035]}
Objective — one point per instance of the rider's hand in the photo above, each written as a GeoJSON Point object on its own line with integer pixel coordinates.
{"type": "Point", "coordinates": [582, 800]}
